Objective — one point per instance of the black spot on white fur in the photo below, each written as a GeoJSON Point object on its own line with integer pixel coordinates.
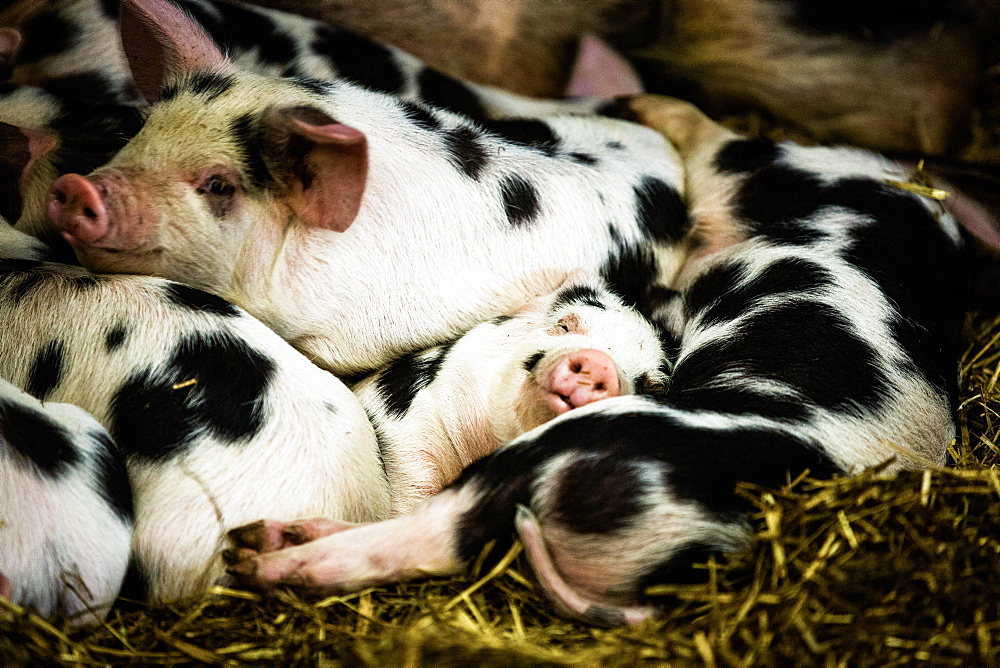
{"type": "Point", "coordinates": [198, 300]}
{"type": "Point", "coordinates": [359, 59]}
{"type": "Point", "coordinates": [112, 477]}
{"type": "Point", "coordinates": [420, 115]}
{"type": "Point", "coordinates": [529, 133]}
{"type": "Point", "coordinates": [466, 151]}
{"type": "Point", "coordinates": [443, 91]}
{"type": "Point", "coordinates": [578, 294]}
{"type": "Point", "coordinates": [806, 345]}
{"type": "Point", "coordinates": [36, 439]}
{"type": "Point", "coordinates": [661, 211]}
{"type": "Point", "coordinates": [157, 412]}
{"type": "Point", "coordinates": [47, 370]}
{"type": "Point", "coordinates": [400, 382]}
{"type": "Point", "coordinates": [520, 200]}
{"type": "Point", "coordinates": [115, 337]}
{"type": "Point", "coordinates": [246, 132]}
{"type": "Point", "coordinates": [208, 85]}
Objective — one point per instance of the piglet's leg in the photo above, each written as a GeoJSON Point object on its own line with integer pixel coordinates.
{"type": "Point", "coordinates": [415, 545]}
{"type": "Point", "coordinates": [693, 134]}
{"type": "Point", "coordinates": [271, 535]}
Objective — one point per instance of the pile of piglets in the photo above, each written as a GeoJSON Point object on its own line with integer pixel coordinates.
{"type": "Point", "coordinates": [578, 330]}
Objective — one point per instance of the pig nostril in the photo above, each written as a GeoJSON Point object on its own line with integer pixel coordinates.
{"type": "Point", "coordinates": [576, 367]}
{"type": "Point", "coordinates": [89, 213]}
{"type": "Point", "coordinates": [60, 196]}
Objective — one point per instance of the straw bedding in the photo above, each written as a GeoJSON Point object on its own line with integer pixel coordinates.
{"type": "Point", "coordinates": [861, 570]}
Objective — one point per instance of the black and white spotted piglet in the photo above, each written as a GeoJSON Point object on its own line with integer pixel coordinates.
{"type": "Point", "coordinates": [65, 509]}
{"type": "Point", "coordinates": [356, 225]}
{"type": "Point", "coordinates": [824, 341]}
{"type": "Point", "coordinates": [219, 420]}
{"type": "Point", "coordinates": [437, 411]}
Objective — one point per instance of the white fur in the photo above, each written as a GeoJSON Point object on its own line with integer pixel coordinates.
{"type": "Point", "coordinates": [63, 548]}
{"type": "Point", "coordinates": [307, 459]}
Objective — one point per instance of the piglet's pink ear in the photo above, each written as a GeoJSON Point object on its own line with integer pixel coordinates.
{"type": "Point", "coordinates": [600, 71]}
{"type": "Point", "coordinates": [161, 40]}
{"type": "Point", "coordinates": [22, 148]}
{"type": "Point", "coordinates": [327, 164]}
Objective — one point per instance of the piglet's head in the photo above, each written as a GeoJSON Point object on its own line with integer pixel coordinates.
{"type": "Point", "coordinates": [226, 164]}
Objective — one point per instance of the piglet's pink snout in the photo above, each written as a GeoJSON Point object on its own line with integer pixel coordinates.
{"type": "Point", "coordinates": [77, 208]}
{"type": "Point", "coordinates": [581, 378]}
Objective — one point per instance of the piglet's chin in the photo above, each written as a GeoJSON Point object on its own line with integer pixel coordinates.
{"type": "Point", "coordinates": [558, 404]}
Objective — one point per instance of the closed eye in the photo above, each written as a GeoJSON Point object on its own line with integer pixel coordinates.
{"type": "Point", "coordinates": [530, 363]}
{"type": "Point", "coordinates": [218, 186]}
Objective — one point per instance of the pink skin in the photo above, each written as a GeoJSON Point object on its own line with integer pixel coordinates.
{"type": "Point", "coordinates": [77, 208]}
{"type": "Point", "coordinates": [271, 535]}
{"type": "Point", "coordinates": [599, 71]}
{"type": "Point", "coordinates": [561, 592]}
{"type": "Point", "coordinates": [265, 536]}
{"type": "Point", "coordinates": [581, 378]}
{"type": "Point", "coordinates": [6, 588]}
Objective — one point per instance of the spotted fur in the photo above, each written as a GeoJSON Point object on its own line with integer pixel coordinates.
{"type": "Point", "coordinates": [215, 416]}
{"type": "Point", "coordinates": [66, 508]}
{"type": "Point", "coordinates": [806, 346]}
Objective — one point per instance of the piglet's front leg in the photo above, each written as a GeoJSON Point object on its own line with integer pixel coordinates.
{"type": "Point", "coordinates": [335, 557]}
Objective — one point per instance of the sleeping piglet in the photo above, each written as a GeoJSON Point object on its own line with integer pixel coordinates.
{"type": "Point", "coordinates": [438, 410]}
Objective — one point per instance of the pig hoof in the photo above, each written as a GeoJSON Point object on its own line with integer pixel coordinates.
{"type": "Point", "coordinates": [295, 534]}
{"type": "Point", "coordinates": [233, 556]}
{"type": "Point", "coordinates": [262, 536]}
{"type": "Point", "coordinates": [242, 569]}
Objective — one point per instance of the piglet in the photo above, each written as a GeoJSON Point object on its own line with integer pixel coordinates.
{"type": "Point", "coordinates": [66, 509]}
{"type": "Point", "coordinates": [219, 420]}
{"type": "Point", "coordinates": [316, 205]}
{"type": "Point", "coordinates": [438, 410]}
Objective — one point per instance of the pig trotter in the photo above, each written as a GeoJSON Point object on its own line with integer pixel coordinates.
{"type": "Point", "coordinates": [234, 556]}
{"type": "Point", "coordinates": [241, 565]}
{"type": "Point", "coordinates": [272, 535]}
{"type": "Point", "coordinates": [260, 536]}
